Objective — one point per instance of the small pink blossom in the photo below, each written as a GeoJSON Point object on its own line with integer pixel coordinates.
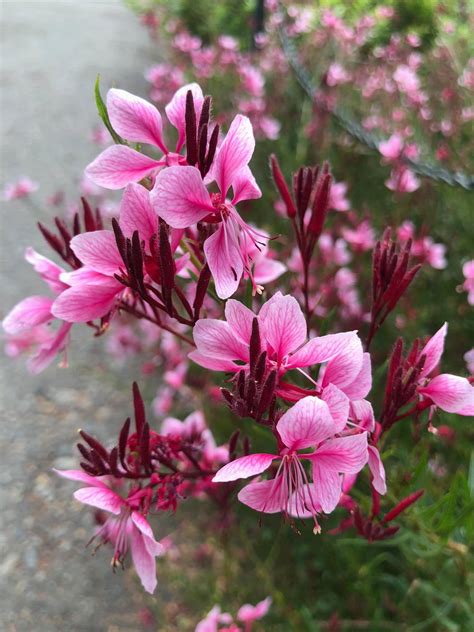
{"type": "Point", "coordinates": [137, 120]}
{"type": "Point", "coordinates": [338, 197]}
{"type": "Point", "coordinates": [248, 614]}
{"type": "Point", "coordinates": [126, 529]}
{"type": "Point", "coordinates": [181, 198]}
{"type": "Point", "coordinates": [468, 285]}
{"type": "Point", "coordinates": [451, 393]}
{"type": "Point", "coordinates": [19, 189]}
{"type": "Point", "coordinates": [308, 424]}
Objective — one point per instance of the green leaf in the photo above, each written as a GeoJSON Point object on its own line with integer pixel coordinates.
{"type": "Point", "coordinates": [104, 115]}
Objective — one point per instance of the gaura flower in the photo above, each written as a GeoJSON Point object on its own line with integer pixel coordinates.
{"type": "Point", "coordinates": [126, 529]}
{"type": "Point", "coordinates": [94, 288]}
{"type": "Point", "coordinates": [308, 424]}
{"type": "Point", "coordinates": [181, 198]}
{"type": "Point", "coordinates": [225, 346]}
{"type": "Point", "coordinates": [451, 393]}
{"type": "Point", "coordinates": [26, 324]}
{"type": "Point", "coordinates": [138, 121]}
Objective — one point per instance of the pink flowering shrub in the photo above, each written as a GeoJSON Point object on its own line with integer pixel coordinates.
{"type": "Point", "coordinates": [180, 271]}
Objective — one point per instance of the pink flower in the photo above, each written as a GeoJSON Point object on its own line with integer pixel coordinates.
{"type": "Point", "coordinates": [248, 614]}
{"type": "Point", "coordinates": [469, 360]}
{"type": "Point", "coordinates": [225, 345]}
{"type": "Point", "coordinates": [126, 528]}
{"type": "Point", "coordinates": [194, 429]}
{"type": "Point", "coordinates": [468, 285]}
{"type": "Point", "coordinates": [139, 121]}
{"type": "Point", "coordinates": [451, 393]}
{"type": "Point", "coordinates": [181, 198]}
{"type": "Point", "coordinates": [94, 289]}
{"type": "Point", "coordinates": [19, 189]}
{"type": "Point", "coordinates": [337, 75]}
{"type": "Point", "coordinates": [309, 424]}
{"type": "Point", "coordinates": [392, 148]}
{"type": "Point", "coordinates": [402, 180]}
{"type": "Point", "coordinates": [337, 197]}
{"type": "Point", "coordinates": [361, 238]}
{"type": "Point", "coordinates": [211, 622]}
{"type": "Point", "coordinates": [25, 323]}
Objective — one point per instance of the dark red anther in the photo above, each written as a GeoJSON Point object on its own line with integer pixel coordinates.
{"type": "Point", "coordinates": [89, 221]}
{"type": "Point", "coordinates": [120, 241]}
{"type": "Point", "coordinates": [201, 289]}
{"type": "Point", "coordinates": [139, 409]}
{"type": "Point", "coordinates": [254, 345]}
{"type": "Point", "coordinates": [137, 260]}
{"type": "Point", "coordinates": [205, 112]}
{"type": "Point", "coordinates": [402, 505]}
{"type": "Point", "coordinates": [261, 365]}
{"type": "Point", "coordinates": [282, 187]}
{"type": "Point", "coordinates": [233, 443]}
{"type": "Point", "coordinates": [113, 463]}
{"type": "Point", "coordinates": [211, 150]}
{"type": "Point", "coordinates": [94, 444]}
{"type": "Point", "coordinates": [267, 393]}
{"type": "Point", "coordinates": [123, 438]}
{"type": "Point", "coordinates": [52, 240]}
{"type": "Point", "coordinates": [227, 395]}
{"type": "Point", "coordinates": [76, 225]}
{"type": "Point", "coordinates": [145, 447]}
{"type": "Point", "coordinates": [191, 131]}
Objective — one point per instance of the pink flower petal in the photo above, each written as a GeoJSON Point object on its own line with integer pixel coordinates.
{"type": "Point", "coordinates": [48, 351]}
{"type": "Point", "coordinates": [433, 350]}
{"type": "Point", "coordinates": [135, 119]}
{"type": "Point", "coordinates": [80, 475]}
{"type": "Point", "coordinates": [47, 269]}
{"type": "Point", "coordinates": [98, 250]}
{"type": "Point", "coordinates": [248, 613]}
{"type": "Point", "coordinates": [328, 486]}
{"type": "Point", "coordinates": [284, 325]}
{"type": "Point", "coordinates": [234, 154]}
{"type": "Point", "coordinates": [450, 392]}
{"type": "Point", "coordinates": [377, 470]}
{"type": "Point", "coordinates": [119, 165]}
{"type": "Point", "coordinates": [338, 405]}
{"type": "Point", "coordinates": [176, 109]}
{"type": "Point", "coordinates": [153, 547]}
{"type": "Point", "coordinates": [100, 497]}
{"type": "Point", "coordinates": [240, 319]}
{"type": "Point", "coordinates": [85, 302]}
{"type": "Point", "coordinates": [136, 213]}
{"type": "Point", "coordinates": [245, 186]}
{"type": "Point", "coordinates": [362, 383]}
{"type": "Point", "coordinates": [180, 197]}
{"type": "Point", "coordinates": [347, 455]}
{"type": "Point", "coordinates": [267, 496]}
{"type": "Point", "coordinates": [345, 367]}
{"type": "Point", "coordinates": [304, 502]}
{"type": "Point", "coordinates": [143, 560]}
{"type": "Point", "coordinates": [305, 424]}
{"type": "Point", "coordinates": [212, 363]}
{"type": "Point", "coordinates": [216, 338]}
{"type": "Point", "coordinates": [244, 467]}
{"type": "Point", "coordinates": [224, 259]}
{"type": "Point", "coordinates": [322, 349]}
{"type": "Point", "coordinates": [267, 270]}
{"type": "Point", "coordinates": [361, 413]}
{"type": "Point", "coordinates": [28, 313]}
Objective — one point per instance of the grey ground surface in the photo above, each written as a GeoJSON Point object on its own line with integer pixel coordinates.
{"type": "Point", "coordinates": [51, 53]}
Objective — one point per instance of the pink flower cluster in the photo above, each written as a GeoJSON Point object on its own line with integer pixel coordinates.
{"type": "Point", "coordinates": [161, 276]}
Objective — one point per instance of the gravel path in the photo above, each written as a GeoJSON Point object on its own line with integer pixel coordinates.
{"type": "Point", "coordinates": [51, 53]}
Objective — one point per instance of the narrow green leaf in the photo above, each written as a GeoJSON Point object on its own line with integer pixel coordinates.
{"type": "Point", "coordinates": [104, 115]}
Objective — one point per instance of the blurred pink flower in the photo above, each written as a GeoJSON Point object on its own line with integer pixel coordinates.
{"type": "Point", "coordinates": [19, 189]}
